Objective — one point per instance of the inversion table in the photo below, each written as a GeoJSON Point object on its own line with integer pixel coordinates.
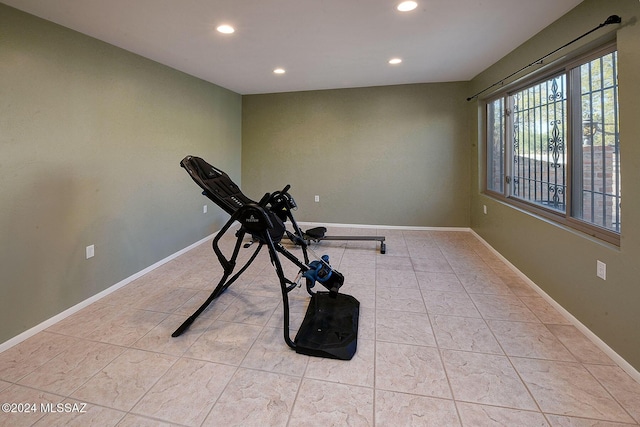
{"type": "Point", "coordinates": [330, 325]}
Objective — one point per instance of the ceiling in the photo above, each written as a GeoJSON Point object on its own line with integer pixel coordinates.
{"type": "Point", "coordinates": [322, 44]}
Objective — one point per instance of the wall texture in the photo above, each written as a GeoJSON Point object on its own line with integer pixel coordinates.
{"type": "Point", "coordinates": [563, 262]}
{"type": "Point", "coordinates": [394, 155]}
{"type": "Point", "coordinates": [91, 137]}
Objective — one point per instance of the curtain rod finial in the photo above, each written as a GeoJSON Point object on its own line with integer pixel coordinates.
{"type": "Point", "coordinates": [613, 19]}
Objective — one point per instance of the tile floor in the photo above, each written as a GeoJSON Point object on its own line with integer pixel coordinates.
{"type": "Point", "coordinates": [449, 336]}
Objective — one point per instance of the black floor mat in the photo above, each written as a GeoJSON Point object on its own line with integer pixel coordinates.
{"type": "Point", "coordinates": [330, 327]}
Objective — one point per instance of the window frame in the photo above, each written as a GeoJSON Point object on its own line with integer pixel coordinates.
{"type": "Point", "coordinates": [539, 76]}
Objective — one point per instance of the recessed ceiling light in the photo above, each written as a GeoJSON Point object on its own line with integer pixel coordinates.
{"type": "Point", "coordinates": [226, 29]}
{"type": "Point", "coordinates": [395, 61]}
{"type": "Point", "coordinates": [279, 71]}
{"type": "Point", "coordinates": [407, 6]}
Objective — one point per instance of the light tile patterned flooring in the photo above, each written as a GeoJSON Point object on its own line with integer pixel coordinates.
{"type": "Point", "coordinates": [448, 336]}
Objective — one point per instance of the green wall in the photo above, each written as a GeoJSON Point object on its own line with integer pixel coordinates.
{"type": "Point", "coordinates": [563, 262]}
{"type": "Point", "coordinates": [393, 155]}
{"type": "Point", "coordinates": [91, 137]}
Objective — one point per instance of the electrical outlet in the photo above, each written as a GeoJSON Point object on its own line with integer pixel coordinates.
{"type": "Point", "coordinates": [90, 251]}
{"type": "Point", "coordinates": [316, 198]}
{"type": "Point", "coordinates": [204, 209]}
{"type": "Point", "coordinates": [601, 270]}
{"type": "Point", "coordinates": [484, 209]}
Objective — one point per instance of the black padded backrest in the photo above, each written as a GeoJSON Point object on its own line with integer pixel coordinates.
{"type": "Point", "coordinates": [216, 184]}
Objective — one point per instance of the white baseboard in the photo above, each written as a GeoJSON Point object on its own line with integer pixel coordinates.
{"type": "Point", "coordinates": [387, 227]}
{"type": "Point", "coordinates": [68, 312]}
{"type": "Point", "coordinates": [74, 309]}
{"type": "Point", "coordinates": [623, 364]}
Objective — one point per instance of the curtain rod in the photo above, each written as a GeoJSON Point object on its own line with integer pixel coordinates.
{"type": "Point", "coordinates": [613, 19]}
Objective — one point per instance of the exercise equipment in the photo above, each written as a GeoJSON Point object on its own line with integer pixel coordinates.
{"type": "Point", "coordinates": [317, 234]}
{"type": "Point", "coordinates": [330, 325]}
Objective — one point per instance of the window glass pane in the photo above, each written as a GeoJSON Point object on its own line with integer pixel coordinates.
{"type": "Point", "coordinates": [495, 145]}
{"type": "Point", "coordinates": [531, 131]}
{"type": "Point", "coordinates": [539, 135]}
{"type": "Point", "coordinates": [596, 183]}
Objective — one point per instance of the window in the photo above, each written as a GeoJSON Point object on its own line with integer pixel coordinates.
{"type": "Point", "coordinates": [552, 145]}
{"type": "Point", "coordinates": [496, 145]}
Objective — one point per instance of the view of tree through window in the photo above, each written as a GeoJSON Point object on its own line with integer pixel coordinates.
{"type": "Point", "coordinates": [597, 193]}
{"type": "Point", "coordinates": [495, 147]}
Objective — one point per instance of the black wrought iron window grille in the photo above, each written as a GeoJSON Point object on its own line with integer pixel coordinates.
{"type": "Point", "coordinates": [553, 146]}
